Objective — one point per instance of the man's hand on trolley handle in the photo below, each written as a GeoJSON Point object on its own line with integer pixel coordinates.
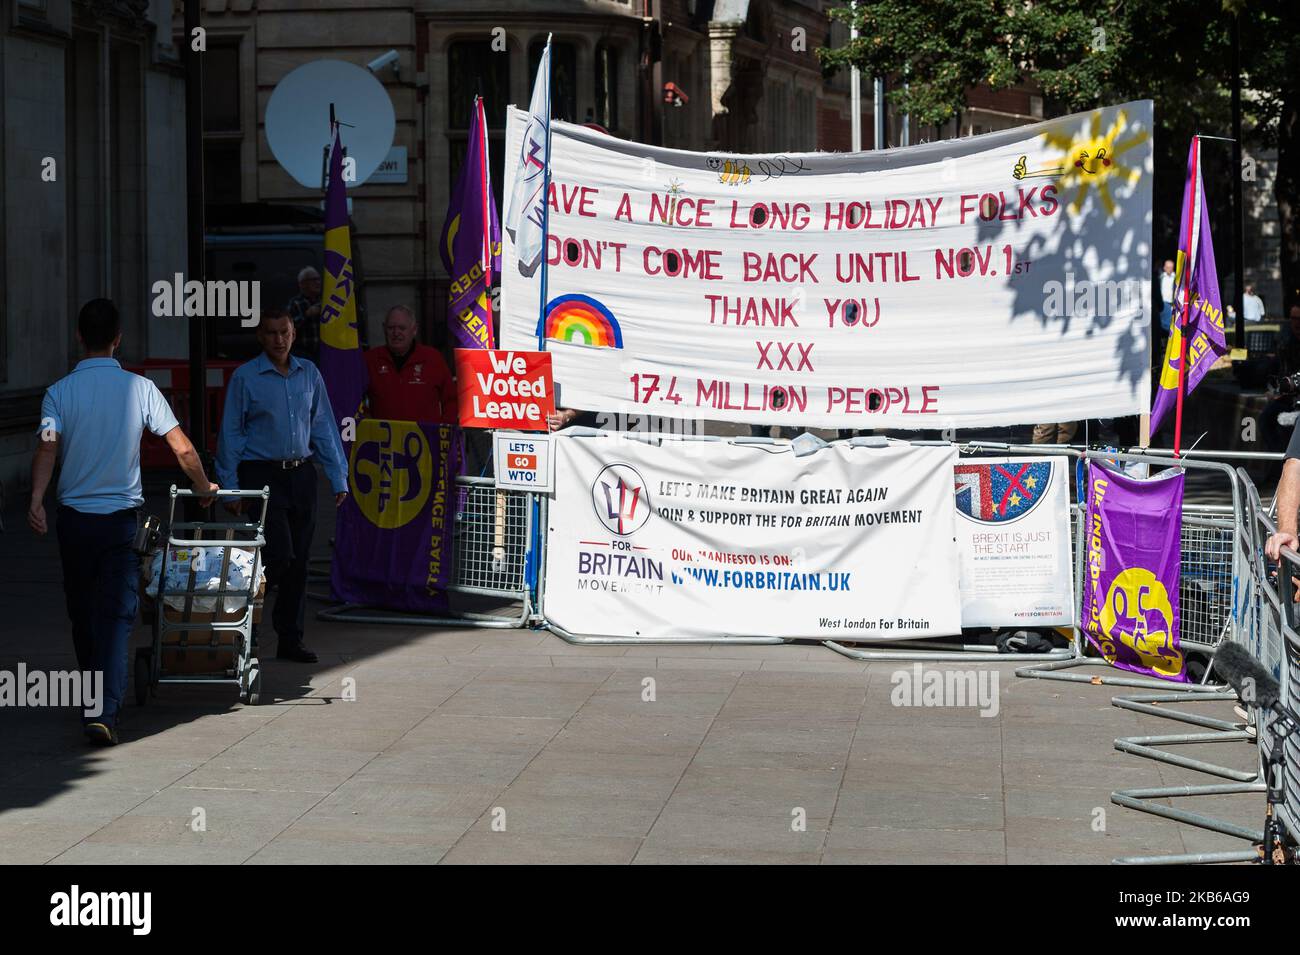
{"type": "Point", "coordinates": [206, 492]}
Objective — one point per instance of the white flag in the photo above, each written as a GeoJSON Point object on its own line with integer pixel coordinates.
{"type": "Point", "coordinates": [527, 207]}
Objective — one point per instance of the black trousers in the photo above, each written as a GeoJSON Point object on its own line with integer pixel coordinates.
{"type": "Point", "coordinates": [101, 572]}
{"type": "Point", "coordinates": [290, 525]}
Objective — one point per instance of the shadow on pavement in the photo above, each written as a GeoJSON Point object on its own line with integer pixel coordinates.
{"type": "Point", "coordinates": [43, 753]}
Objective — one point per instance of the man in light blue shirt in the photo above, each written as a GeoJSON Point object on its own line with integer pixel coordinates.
{"type": "Point", "coordinates": [93, 419]}
{"type": "Point", "coordinates": [277, 422]}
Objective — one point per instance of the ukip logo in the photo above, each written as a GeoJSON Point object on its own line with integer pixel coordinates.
{"type": "Point", "coordinates": [338, 316]}
{"type": "Point", "coordinates": [1138, 612]}
{"type": "Point", "coordinates": [620, 499]}
{"type": "Point", "coordinates": [390, 471]}
{"type": "Point", "coordinates": [1173, 357]}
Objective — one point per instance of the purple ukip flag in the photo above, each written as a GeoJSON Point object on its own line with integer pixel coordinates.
{"type": "Point", "coordinates": [341, 363]}
{"type": "Point", "coordinates": [471, 243]}
{"type": "Point", "coordinates": [1195, 276]}
{"type": "Point", "coordinates": [1130, 585]}
{"type": "Point", "coordinates": [393, 538]}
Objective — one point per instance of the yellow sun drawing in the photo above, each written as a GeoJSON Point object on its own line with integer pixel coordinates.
{"type": "Point", "coordinates": [1092, 159]}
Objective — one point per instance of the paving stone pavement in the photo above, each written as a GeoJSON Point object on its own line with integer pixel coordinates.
{"type": "Point", "coordinates": [478, 746]}
{"type": "Point", "coordinates": [481, 746]}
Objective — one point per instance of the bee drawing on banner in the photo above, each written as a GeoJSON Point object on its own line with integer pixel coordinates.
{"type": "Point", "coordinates": [731, 172]}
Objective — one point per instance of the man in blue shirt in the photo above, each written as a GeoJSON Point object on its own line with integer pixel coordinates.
{"type": "Point", "coordinates": [277, 421]}
{"type": "Point", "coordinates": [94, 417]}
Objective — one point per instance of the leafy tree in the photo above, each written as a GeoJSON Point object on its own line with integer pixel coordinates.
{"type": "Point", "coordinates": [1081, 55]}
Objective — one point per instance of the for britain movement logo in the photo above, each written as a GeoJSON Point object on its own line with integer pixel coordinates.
{"type": "Point", "coordinates": [621, 499]}
{"type": "Point", "coordinates": [999, 493]}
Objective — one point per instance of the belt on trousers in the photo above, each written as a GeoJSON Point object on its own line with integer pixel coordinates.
{"type": "Point", "coordinates": [283, 465]}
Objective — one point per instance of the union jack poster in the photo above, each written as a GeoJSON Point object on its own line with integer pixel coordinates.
{"type": "Point", "coordinates": [996, 493]}
{"type": "Point", "coordinates": [1013, 535]}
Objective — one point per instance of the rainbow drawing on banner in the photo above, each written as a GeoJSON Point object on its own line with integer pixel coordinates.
{"type": "Point", "coordinates": [581, 320]}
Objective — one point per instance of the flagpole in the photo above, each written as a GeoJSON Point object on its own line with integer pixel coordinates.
{"type": "Point", "coordinates": [541, 305]}
{"type": "Point", "coordinates": [481, 117]}
{"type": "Point", "coordinates": [546, 204]}
{"type": "Point", "coordinates": [1192, 214]}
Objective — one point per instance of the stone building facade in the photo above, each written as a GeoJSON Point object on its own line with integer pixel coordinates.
{"type": "Point", "coordinates": [92, 189]}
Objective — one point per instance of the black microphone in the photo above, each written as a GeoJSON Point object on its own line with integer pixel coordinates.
{"type": "Point", "coordinates": [1242, 672]}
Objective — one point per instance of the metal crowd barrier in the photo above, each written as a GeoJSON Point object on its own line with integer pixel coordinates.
{"type": "Point", "coordinates": [494, 557]}
{"type": "Point", "coordinates": [1261, 610]}
{"type": "Point", "coordinates": [1214, 568]}
{"type": "Point", "coordinates": [491, 539]}
{"type": "Point", "coordinates": [1276, 645]}
{"type": "Point", "coordinates": [1263, 622]}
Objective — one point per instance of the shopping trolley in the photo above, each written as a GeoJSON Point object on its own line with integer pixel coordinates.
{"type": "Point", "coordinates": [193, 644]}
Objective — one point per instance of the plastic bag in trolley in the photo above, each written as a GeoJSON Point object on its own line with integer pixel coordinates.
{"type": "Point", "coordinates": [206, 564]}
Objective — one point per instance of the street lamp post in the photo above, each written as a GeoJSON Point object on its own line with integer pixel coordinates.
{"type": "Point", "coordinates": [855, 87]}
{"type": "Point", "coordinates": [1238, 212]}
{"type": "Point", "coordinates": [879, 116]}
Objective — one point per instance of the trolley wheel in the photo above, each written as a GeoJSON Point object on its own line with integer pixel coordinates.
{"type": "Point", "coordinates": [143, 674]}
{"type": "Point", "coordinates": [253, 695]}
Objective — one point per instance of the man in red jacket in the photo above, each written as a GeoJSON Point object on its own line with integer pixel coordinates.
{"type": "Point", "coordinates": [409, 381]}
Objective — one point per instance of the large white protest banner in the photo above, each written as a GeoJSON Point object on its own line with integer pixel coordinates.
{"type": "Point", "coordinates": [993, 280]}
{"type": "Point", "coordinates": [1013, 534]}
{"type": "Point", "coordinates": [685, 538]}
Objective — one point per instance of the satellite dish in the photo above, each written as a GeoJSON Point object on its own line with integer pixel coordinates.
{"type": "Point", "coordinates": [298, 119]}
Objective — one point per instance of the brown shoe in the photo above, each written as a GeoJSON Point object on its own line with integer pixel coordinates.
{"type": "Point", "coordinates": [101, 734]}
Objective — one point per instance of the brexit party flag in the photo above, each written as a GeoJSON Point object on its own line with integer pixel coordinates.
{"type": "Point", "coordinates": [1130, 587]}
{"type": "Point", "coordinates": [1196, 296]}
{"type": "Point", "coordinates": [341, 363]}
{"type": "Point", "coordinates": [471, 243]}
{"type": "Point", "coordinates": [526, 211]}
{"type": "Point", "coordinates": [393, 537]}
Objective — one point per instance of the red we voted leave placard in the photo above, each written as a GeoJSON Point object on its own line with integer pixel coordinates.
{"type": "Point", "coordinates": [504, 389]}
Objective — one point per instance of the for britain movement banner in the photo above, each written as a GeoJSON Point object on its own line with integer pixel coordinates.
{"type": "Point", "coordinates": [672, 538]}
{"type": "Point", "coordinates": [994, 280]}
{"type": "Point", "coordinates": [1013, 534]}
